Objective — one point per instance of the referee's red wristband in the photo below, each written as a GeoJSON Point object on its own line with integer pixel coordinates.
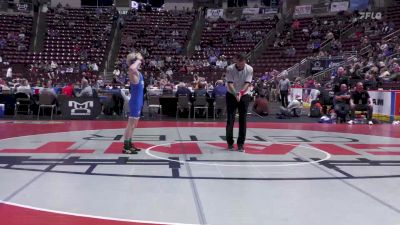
{"type": "Point", "coordinates": [241, 92]}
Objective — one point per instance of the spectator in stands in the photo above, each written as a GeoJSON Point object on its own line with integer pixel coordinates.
{"type": "Point", "coordinates": [369, 82]}
{"type": "Point", "coordinates": [100, 82]}
{"type": "Point", "coordinates": [219, 89]}
{"type": "Point", "coordinates": [48, 89]}
{"type": "Point", "coordinates": [9, 74]}
{"type": "Point", "coordinates": [291, 51]}
{"type": "Point", "coordinates": [169, 73]}
{"type": "Point", "coordinates": [25, 88]}
{"type": "Point", "coordinates": [294, 107]}
{"type": "Point", "coordinates": [3, 43]}
{"type": "Point", "coordinates": [360, 101]}
{"type": "Point", "coordinates": [53, 65]}
{"type": "Point", "coordinates": [261, 106]}
{"type": "Point", "coordinates": [222, 63]}
{"type": "Point", "coordinates": [341, 78]}
{"type": "Point", "coordinates": [68, 90]}
{"type": "Point", "coordinates": [213, 60]}
{"type": "Point", "coordinates": [283, 86]}
{"type": "Point", "coordinates": [86, 89]}
{"type": "Point", "coordinates": [296, 24]}
{"type": "Point", "coordinates": [341, 103]}
{"type": "Point", "coordinates": [95, 67]}
{"type": "Point", "coordinates": [116, 72]}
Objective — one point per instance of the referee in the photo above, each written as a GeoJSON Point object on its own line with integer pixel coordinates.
{"type": "Point", "coordinates": [238, 78]}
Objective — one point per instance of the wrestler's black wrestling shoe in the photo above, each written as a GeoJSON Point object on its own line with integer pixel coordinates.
{"type": "Point", "coordinates": [128, 149]}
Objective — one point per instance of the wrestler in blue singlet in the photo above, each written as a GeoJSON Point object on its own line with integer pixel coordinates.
{"type": "Point", "coordinates": [136, 101]}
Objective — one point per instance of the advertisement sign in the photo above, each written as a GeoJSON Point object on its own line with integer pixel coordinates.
{"type": "Point", "coordinates": [269, 10]}
{"type": "Point", "coordinates": [251, 11]}
{"type": "Point", "coordinates": [81, 108]}
{"type": "Point", "coordinates": [302, 10]}
{"type": "Point", "coordinates": [381, 101]}
{"type": "Point", "coordinates": [339, 6]}
{"type": "Point", "coordinates": [214, 13]}
{"type": "Point", "coordinates": [318, 65]}
{"type": "Point", "coordinates": [359, 4]}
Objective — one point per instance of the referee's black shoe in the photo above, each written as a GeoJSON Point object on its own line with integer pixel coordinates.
{"type": "Point", "coordinates": [240, 148]}
{"type": "Point", "coordinates": [230, 147]}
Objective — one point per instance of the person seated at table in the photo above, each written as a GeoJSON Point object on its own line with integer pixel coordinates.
{"type": "Point", "coordinates": [86, 89]}
{"type": "Point", "coordinates": [201, 91]}
{"type": "Point", "coordinates": [48, 89]}
{"type": "Point", "coordinates": [261, 105]}
{"type": "Point", "coordinates": [25, 88]}
{"type": "Point", "coordinates": [360, 101]}
{"type": "Point", "coordinates": [219, 89]}
{"type": "Point", "coordinates": [68, 90]}
{"type": "Point", "coordinates": [182, 90]}
{"type": "Point", "coordinates": [341, 103]}
{"type": "Point", "coordinates": [294, 107]}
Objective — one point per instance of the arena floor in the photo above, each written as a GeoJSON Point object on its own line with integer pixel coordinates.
{"type": "Point", "coordinates": [72, 173]}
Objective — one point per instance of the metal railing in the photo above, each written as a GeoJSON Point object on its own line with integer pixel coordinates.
{"type": "Point", "coordinates": [391, 36]}
{"type": "Point", "coordinates": [326, 74]}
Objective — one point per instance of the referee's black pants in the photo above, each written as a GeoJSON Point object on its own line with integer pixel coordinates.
{"type": "Point", "coordinates": [231, 106]}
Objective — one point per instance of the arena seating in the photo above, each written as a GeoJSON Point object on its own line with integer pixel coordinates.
{"type": "Point", "coordinates": [11, 26]}
{"type": "Point", "coordinates": [274, 58]}
{"type": "Point", "coordinates": [153, 32]}
{"type": "Point", "coordinates": [214, 33]}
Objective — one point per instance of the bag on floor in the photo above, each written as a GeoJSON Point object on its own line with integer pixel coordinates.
{"type": "Point", "coordinates": [315, 112]}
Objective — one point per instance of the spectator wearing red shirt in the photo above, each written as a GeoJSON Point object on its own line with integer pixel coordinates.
{"type": "Point", "coordinates": [68, 90]}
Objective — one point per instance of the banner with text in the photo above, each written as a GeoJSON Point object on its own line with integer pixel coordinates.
{"type": "Point", "coordinates": [339, 6]}
{"type": "Point", "coordinates": [318, 65]}
{"type": "Point", "coordinates": [214, 14]}
{"type": "Point", "coordinates": [381, 101]}
{"type": "Point", "coordinates": [301, 10]}
{"type": "Point", "coordinates": [251, 11]}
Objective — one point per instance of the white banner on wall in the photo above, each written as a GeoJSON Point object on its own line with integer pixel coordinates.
{"type": "Point", "coordinates": [214, 13]}
{"type": "Point", "coordinates": [302, 10]}
{"type": "Point", "coordinates": [269, 11]}
{"type": "Point", "coordinates": [381, 101]}
{"type": "Point", "coordinates": [251, 11]}
{"type": "Point", "coordinates": [339, 6]}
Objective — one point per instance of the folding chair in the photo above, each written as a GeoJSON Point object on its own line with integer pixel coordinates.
{"type": "Point", "coordinates": [153, 102]}
{"type": "Point", "coordinates": [219, 104]}
{"type": "Point", "coordinates": [46, 101]}
{"type": "Point", "coordinates": [200, 103]}
{"type": "Point", "coordinates": [22, 104]}
{"type": "Point", "coordinates": [182, 104]}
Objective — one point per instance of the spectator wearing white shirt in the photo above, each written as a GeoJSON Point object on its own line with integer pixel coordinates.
{"type": "Point", "coordinates": [294, 107]}
{"type": "Point", "coordinates": [169, 73]}
{"type": "Point", "coordinates": [116, 72]}
{"type": "Point", "coordinates": [9, 74]}
{"type": "Point", "coordinates": [53, 65]}
{"type": "Point", "coordinates": [95, 67]}
{"type": "Point", "coordinates": [24, 88]}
